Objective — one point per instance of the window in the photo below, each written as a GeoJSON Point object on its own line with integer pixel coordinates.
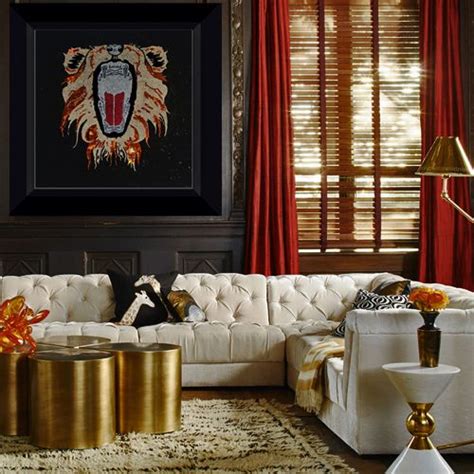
{"type": "Point", "coordinates": [356, 119]}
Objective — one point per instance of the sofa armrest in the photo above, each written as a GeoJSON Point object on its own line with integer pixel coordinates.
{"type": "Point", "coordinates": [406, 321]}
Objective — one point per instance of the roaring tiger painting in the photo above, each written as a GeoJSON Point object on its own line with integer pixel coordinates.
{"type": "Point", "coordinates": [114, 97]}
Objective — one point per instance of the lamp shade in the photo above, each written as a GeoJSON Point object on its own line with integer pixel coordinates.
{"type": "Point", "coordinates": [446, 157]}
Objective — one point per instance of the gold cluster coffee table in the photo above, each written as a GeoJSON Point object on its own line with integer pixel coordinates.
{"type": "Point", "coordinates": [84, 389]}
{"type": "Point", "coordinates": [148, 380]}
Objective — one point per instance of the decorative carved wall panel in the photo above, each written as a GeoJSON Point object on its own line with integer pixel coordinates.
{"type": "Point", "coordinates": [100, 262]}
{"type": "Point", "coordinates": [204, 262]}
{"type": "Point", "coordinates": [238, 105]}
{"type": "Point", "coordinates": [23, 264]}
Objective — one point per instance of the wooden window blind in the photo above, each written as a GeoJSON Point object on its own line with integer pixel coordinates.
{"type": "Point", "coordinates": [356, 119]}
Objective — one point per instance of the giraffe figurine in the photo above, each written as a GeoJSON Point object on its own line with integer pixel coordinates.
{"type": "Point", "coordinates": [130, 315]}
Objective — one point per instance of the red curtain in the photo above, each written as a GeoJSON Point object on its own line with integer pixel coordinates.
{"type": "Point", "coordinates": [271, 234]}
{"type": "Point", "coordinates": [446, 238]}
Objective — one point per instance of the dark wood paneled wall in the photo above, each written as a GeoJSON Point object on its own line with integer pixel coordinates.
{"type": "Point", "coordinates": [54, 245]}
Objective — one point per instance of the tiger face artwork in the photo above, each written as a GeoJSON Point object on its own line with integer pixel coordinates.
{"type": "Point", "coordinates": [114, 97]}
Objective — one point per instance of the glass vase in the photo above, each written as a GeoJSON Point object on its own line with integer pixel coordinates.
{"type": "Point", "coordinates": [429, 340]}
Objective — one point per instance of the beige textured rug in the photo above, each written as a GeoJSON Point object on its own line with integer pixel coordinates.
{"type": "Point", "coordinates": [218, 436]}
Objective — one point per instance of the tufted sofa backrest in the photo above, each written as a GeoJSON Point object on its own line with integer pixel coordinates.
{"type": "Point", "coordinates": [67, 297]}
{"type": "Point", "coordinates": [228, 297]}
{"type": "Point", "coordinates": [316, 297]}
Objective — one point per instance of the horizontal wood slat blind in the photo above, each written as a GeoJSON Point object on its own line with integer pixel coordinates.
{"type": "Point", "coordinates": [356, 120]}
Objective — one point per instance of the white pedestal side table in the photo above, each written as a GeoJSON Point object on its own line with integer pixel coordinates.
{"type": "Point", "coordinates": [420, 387]}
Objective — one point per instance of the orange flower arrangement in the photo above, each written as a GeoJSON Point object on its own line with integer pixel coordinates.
{"type": "Point", "coordinates": [428, 299]}
{"type": "Point", "coordinates": [15, 325]}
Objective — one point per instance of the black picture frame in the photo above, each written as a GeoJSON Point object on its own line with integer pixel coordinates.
{"type": "Point", "coordinates": [204, 197]}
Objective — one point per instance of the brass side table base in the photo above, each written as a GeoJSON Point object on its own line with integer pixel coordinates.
{"type": "Point", "coordinates": [72, 395]}
{"type": "Point", "coordinates": [421, 387]}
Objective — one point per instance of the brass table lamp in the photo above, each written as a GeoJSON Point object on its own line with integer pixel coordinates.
{"type": "Point", "coordinates": [447, 158]}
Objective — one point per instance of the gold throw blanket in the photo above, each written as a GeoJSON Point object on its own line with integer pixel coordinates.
{"type": "Point", "coordinates": [310, 384]}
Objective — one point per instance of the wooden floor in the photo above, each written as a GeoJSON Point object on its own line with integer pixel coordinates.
{"type": "Point", "coordinates": [366, 464]}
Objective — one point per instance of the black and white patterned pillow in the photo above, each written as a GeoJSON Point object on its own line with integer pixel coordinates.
{"type": "Point", "coordinates": [372, 302]}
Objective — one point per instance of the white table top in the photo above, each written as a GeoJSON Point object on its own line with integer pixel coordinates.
{"type": "Point", "coordinates": [420, 384]}
{"type": "Point", "coordinates": [416, 369]}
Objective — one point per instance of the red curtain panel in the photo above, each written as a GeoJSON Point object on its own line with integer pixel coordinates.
{"type": "Point", "coordinates": [446, 238]}
{"type": "Point", "coordinates": [271, 233]}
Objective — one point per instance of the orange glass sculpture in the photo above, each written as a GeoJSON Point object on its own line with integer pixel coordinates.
{"type": "Point", "coordinates": [15, 325]}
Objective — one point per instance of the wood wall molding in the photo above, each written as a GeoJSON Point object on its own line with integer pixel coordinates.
{"type": "Point", "coordinates": [23, 263]}
{"type": "Point", "coordinates": [122, 262]}
{"type": "Point", "coordinates": [204, 262]}
{"type": "Point", "coordinates": [238, 105]}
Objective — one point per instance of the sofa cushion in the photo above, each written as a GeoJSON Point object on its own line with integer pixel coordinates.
{"type": "Point", "coordinates": [318, 297]}
{"type": "Point", "coordinates": [227, 297]}
{"type": "Point", "coordinates": [398, 287]}
{"type": "Point", "coordinates": [297, 346]}
{"type": "Point", "coordinates": [218, 342]}
{"type": "Point", "coordinates": [67, 297]}
{"type": "Point", "coordinates": [334, 383]}
{"type": "Point", "coordinates": [109, 330]}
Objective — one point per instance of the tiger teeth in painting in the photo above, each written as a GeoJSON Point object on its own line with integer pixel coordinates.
{"type": "Point", "coordinates": [112, 95]}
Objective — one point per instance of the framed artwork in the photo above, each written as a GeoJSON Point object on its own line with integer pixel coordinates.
{"type": "Point", "coordinates": [116, 109]}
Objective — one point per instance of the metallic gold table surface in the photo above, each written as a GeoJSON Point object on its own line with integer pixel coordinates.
{"type": "Point", "coordinates": [13, 394]}
{"type": "Point", "coordinates": [72, 341]}
{"type": "Point", "coordinates": [148, 381]}
{"type": "Point", "coordinates": [72, 398]}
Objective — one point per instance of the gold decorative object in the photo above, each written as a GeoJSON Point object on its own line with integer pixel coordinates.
{"type": "Point", "coordinates": [13, 393]}
{"type": "Point", "coordinates": [15, 325]}
{"type": "Point", "coordinates": [428, 301]}
{"type": "Point", "coordinates": [447, 158]}
{"type": "Point", "coordinates": [238, 103]}
{"type": "Point", "coordinates": [148, 386]}
{"type": "Point", "coordinates": [429, 340]}
{"type": "Point", "coordinates": [420, 387]}
{"type": "Point", "coordinates": [72, 396]}
{"type": "Point", "coordinates": [421, 425]}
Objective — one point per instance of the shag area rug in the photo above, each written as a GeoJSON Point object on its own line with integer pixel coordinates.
{"type": "Point", "coordinates": [217, 436]}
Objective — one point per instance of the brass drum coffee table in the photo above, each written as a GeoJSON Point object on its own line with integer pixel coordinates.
{"type": "Point", "coordinates": [14, 393]}
{"type": "Point", "coordinates": [72, 398]}
{"type": "Point", "coordinates": [148, 381]}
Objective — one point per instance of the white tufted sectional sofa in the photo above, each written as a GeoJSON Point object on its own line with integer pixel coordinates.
{"type": "Point", "coordinates": [259, 331]}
